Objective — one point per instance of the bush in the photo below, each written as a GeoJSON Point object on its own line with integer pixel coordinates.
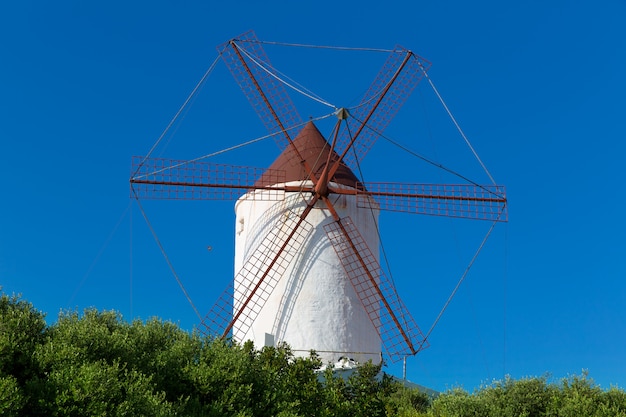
{"type": "Point", "coordinates": [96, 364]}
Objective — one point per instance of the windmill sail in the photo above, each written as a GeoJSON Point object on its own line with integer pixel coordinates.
{"type": "Point", "coordinates": [398, 330]}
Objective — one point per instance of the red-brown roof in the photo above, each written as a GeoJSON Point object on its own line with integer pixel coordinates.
{"type": "Point", "coordinates": [314, 149]}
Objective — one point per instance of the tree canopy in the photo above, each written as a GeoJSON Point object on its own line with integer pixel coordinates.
{"type": "Point", "coordinates": [97, 364]}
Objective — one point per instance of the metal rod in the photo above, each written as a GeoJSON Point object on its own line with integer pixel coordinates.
{"type": "Point", "coordinates": [369, 275]}
{"type": "Point", "coordinates": [274, 115]}
{"type": "Point", "coordinates": [382, 95]}
{"type": "Point", "coordinates": [304, 214]}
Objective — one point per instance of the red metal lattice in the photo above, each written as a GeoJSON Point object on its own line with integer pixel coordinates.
{"type": "Point", "coordinates": [399, 332]}
{"type": "Point", "coordinates": [157, 178]}
{"type": "Point", "coordinates": [250, 66]}
{"type": "Point", "coordinates": [462, 200]}
{"type": "Point", "coordinates": [257, 279]}
{"type": "Point", "coordinates": [407, 78]}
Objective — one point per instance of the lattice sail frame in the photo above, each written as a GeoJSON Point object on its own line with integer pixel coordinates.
{"type": "Point", "coordinates": [400, 74]}
{"type": "Point", "coordinates": [168, 179]}
{"type": "Point", "coordinates": [251, 68]}
{"type": "Point", "coordinates": [468, 201]}
{"type": "Point", "coordinates": [248, 63]}
{"type": "Point", "coordinates": [398, 331]}
{"type": "Point", "coordinates": [172, 179]}
{"type": "Point", "coordinates": [258, 277]}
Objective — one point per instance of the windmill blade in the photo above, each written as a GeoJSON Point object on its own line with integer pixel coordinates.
{"type": "Point", "coordinates": [245, 58]}
{"type": "Point", "coordinates": [400, 334]}
{"type": "Point", "coordinates": [239, 306]}
{"type": "Point", "coordinates": [162, 179]}
{"type": "Point", "coordinates": [478, 202]}
{"type": "Point", "coordinates": [400, 74]}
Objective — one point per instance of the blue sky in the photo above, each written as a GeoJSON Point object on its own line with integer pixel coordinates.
{"type": "Point", "coordinates": [538, 87]}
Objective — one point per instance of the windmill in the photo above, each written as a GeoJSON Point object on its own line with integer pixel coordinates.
{"type": "Point", "coordinates": [307, 268]}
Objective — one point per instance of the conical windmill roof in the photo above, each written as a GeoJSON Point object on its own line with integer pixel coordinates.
{"type": "Point", "coordinates": [314, 149]}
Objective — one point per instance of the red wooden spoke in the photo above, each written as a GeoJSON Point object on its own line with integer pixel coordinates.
{"type": "Point", "coordinates": [399, 333]}
{"type": "Point", "coordinates": [401, 78]}
{"type": "Point", "coordinates": [257, 279]}
{"type": "Point", "coordinates": [163, 179]}
{"type": "Point", "coordinates": [267, 95]}
{"type": "Point", "coordinates": [462, 200]}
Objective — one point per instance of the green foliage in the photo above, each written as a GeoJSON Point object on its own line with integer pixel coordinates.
{"type": "Point", "coordinates": [533, 397]}
{"type": "Point", "coordinates": [407, 402]}
{"type": "Point", "coordinates": [102, 389]}
{"type": "Point", "coordinates": [92, 365]}
{"type": "Point", "coordinates": [96, 364]}
{"type": "Point", "coordinates": [580, 396]}
{"type": "Point", "coordinates": [22, 330]}
{"type": "Point", "coordinates": [369, 392]}
{"type": "Point", "coordinates": [11, 397]}
{"type": "Point", "coordinates": [459, 403]}
{"type": "Point", "coordinates": [525, 397]}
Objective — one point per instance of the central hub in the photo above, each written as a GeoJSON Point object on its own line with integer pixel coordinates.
{"type": "Point", "coordinates": [321, 188]}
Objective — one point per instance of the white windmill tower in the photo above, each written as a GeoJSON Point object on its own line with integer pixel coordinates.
{"type": "Point", "coordinates": [313, 304]}
{"type": "Point", "coordinates": [306, 256]}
